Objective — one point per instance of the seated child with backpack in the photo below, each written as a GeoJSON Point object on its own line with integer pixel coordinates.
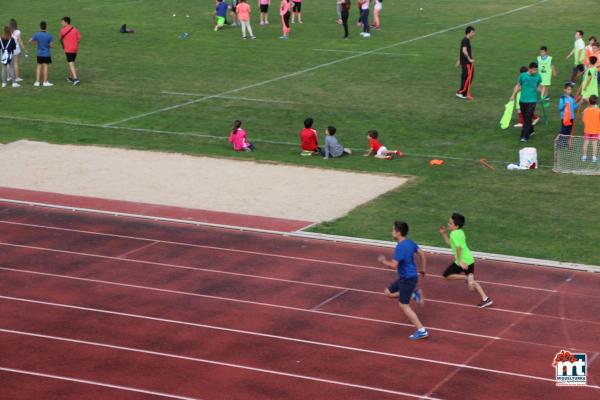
{"type": "Point", "coordinates": [380, 150]}
{"type": "Point", "coordinates": [238, 138]}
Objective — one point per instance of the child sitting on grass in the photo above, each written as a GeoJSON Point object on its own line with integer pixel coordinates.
{"type": "Point", "coordinates": [238, 138]}
{"type": "Point", "coordinates": [309, 141]}
{"type": "Point", "coordinates": [378, 149]}
{"type": "Point", "coordinates": [333, 148]}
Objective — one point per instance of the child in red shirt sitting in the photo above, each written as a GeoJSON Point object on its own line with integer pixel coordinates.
{"type": "Point", "coordinates": [378, 149]}
{"type": "Point", "coordinates": [309, 141]}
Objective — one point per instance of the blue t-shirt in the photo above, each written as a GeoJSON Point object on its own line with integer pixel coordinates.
{"type": "Point", "coordinates": [405, 255]}
{"type": "Point", "coordinates": [43, 40]}
{"type": "Point", "coordinates": [221, 9]}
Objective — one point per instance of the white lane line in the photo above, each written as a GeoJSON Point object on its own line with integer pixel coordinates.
{"type": "Point", "coordinates": [360, 52]}
{"type": "Point", "coordinates": [316, 67]}
{"type": "Point", "coordinates": [133, 251]}
{"type": "Point", "coordinates": [257, 253]}
{"type": "Point", "coordinates": [113, 5]}
{"type": "Point", "coordinates": [330, 299]}
{"type": "Point", "coordinates": [224, 364]}
{"type": "Point", "coordinates": [230, 97]}
{"type": "Point", "coordinates": [354, 349]}
{"type": "Point", "coordinates": [93, 383]}
{"type": "Point", "coordinates": [235, 300]}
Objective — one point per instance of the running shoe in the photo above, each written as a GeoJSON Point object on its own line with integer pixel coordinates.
{"type": "Point", "coordinates": [419, 335]}
{"type": "Point", "coordinates": [461, 96]}
{"type": "Point", "coordinates": [519, 125]}
{"type": "Point", "coordinates": [485, 303]}
{"type": "Point", "coordinates": [535, 121]}
{"type": "Point", "coordinates": [417, 295]}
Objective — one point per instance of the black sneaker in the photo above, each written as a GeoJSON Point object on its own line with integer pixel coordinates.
{"type": "Point", "coordinates": [485, 303]}
{"type": "Point", "coordinates": [69, 79]}
{"type": "Point", "coordinates": [76, 82]}
{"type": "Point", "coordinates": [523, 140]}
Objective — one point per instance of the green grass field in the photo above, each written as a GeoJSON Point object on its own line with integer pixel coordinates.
{"type": "Point", "coordinates": [405, 90]}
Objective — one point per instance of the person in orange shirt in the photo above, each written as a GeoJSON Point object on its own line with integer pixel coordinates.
{"type": "Point", "coordinates": [591, 128]}
{"type": "Point", "coordinates": [588, 48]}
{"type": "Point", "coordinates": [69, 38]}
{"type": "Point", "coordinates": [243, 13]}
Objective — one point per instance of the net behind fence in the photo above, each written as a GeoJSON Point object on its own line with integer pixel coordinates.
{"type": "Point", "coordinates": [570, 155]}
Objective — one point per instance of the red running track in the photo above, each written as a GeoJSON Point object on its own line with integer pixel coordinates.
{"type": "Point", "coordinates": [101, 307]}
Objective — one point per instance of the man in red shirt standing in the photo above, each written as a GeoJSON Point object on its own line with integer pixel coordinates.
{"type": "Point", "coordinates": [309, 142]}
{"type": "Point", "coordinates": [69, 38]}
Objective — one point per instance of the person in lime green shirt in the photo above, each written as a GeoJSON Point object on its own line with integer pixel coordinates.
{"type": "Point", "coordinates": [463, 267]}
{"type": "Point", "coordinates": [590, 80]}
{"type": "Point", "coordinates": [547, 70]}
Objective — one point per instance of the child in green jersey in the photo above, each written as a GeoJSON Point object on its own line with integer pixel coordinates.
{"type": "Point", "coordinates": [590, 80]}
{"type": "Point", "coordinates": [463, 267]}
{"type": "Point", "coordinates": [547, 70]}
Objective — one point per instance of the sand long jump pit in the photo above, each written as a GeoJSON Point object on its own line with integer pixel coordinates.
{"type": "Point", "coordinates": [204, 183]}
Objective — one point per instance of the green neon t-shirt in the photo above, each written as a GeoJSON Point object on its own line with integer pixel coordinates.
{"type": "Point", "coordinates": [545, 68]}
{"type": "Point", "coordinates": [591, 75]}
{"type": "Point", "coordinates": [458, 239]}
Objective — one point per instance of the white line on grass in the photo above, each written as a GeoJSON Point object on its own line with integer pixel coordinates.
{"type": "Point", "coordinates": [88, 382]}
{"type": "Point", "coordinates": [360, 52]}
{"type": "Point", "coordinates": [224, 364]}
{"type": "Point", "coordinates": [316, 67]}
{"type": "Point", "coordinates": [113, 5]}
{"type": "Point", "coordinates": [229, 97]}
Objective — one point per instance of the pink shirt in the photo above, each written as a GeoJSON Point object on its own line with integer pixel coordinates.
{"type": "Point", "coordinates": [284, 8]}
{"type": "Point", "coordinates": [238, 139]}
{"type": "Point", "coordinates": [243, 11]}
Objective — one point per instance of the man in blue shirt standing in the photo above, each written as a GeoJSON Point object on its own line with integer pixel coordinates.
{"type": "Point", "coordinates": [44, 44]}
{"type": "Point", "coordinates": [404, 287]}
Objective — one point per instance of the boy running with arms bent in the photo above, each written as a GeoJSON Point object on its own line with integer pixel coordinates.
{"type": "Point", "coordinates": [463, 268]}
{"type": "Point", "coordinates": [404, 262]}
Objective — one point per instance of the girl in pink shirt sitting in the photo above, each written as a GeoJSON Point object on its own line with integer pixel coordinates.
{"type": "Point", "coordinates": [238, 138]}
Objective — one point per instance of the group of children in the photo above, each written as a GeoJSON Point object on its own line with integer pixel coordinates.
{"type": "Point", "coordinates": [12, 46]}
{"type": "Point", "coordinates": [405, 287]}
{"type": "Point", "coordinates": [538, 78]}
{"type": "Point", "coordinates": [240, 10]}
{"type": "Point", "coordinates": [309, 143]}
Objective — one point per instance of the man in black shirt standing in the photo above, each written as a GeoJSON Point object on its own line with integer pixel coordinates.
{"type": "Point", "coordinates": [465, 60]}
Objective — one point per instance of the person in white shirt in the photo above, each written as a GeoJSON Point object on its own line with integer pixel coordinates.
{"type": "Point", "coordinates": [578, 54]}
{"type": "Point", "coordinates": [16, 34]}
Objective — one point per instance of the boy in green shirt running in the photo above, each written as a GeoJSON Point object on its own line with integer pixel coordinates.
{"type": "Point", "coordinates": [463, 267]}
{"type": "Point", "coordinates": [547, 70]}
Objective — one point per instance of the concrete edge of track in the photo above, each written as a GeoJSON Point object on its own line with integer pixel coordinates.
{"type": "Point", "coordinates": [318, 236]}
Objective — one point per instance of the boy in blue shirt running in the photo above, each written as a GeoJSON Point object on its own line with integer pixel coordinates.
{"type": "Point", "coordinates": [404, 287]}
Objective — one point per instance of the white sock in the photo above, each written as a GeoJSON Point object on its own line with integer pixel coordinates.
{"type": "Point", "coordinates": [422, 330]}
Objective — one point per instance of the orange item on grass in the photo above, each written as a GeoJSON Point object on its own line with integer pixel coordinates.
{"type": "Point", "coordinates": [436, 162]}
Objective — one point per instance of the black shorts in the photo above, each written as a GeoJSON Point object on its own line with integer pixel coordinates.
{"type": "Point", "coordinates": [71, 57]}
{"type": "Point", "coordinates": [297, 7]}
{"type": "Point", "coordinates": [404, 287]}
{"type": "Point", "coordinates": [44, 60]}
{"type": "Point", "coordinates": [454, 269]}
{"type": "Point", "coordinates": [264, 8]}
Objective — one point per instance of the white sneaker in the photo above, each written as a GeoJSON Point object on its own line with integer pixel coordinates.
{"type": "Point", "coordinates": [19, 80]}
{"type": "Point", "coordinates": [36, 84]}
{"type": "Point", "coordinates": [535, 121]}
{"type": "Point", "coordinates": [15, 84]}
{"type": "Point", "coordinates": [3, 84]}
{"type": "Point", "coordinates": [367, 35]}
{"type": "Point", "coordinates": [362, 34]}
{"type": "Point", "coordinates": [518, 125]}
{"type": "Point", "coordinates": [47, 84]}
{"type": "Point", "coordinates": [583, 158]}
{"type": "Point", "coordinates": [594, 159]}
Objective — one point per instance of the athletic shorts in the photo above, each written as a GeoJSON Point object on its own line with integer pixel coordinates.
{"type": "Point", "coordinates": [454, 269]}
{"type": "Point", "coordinates": [71, 57]}
{"type": "Point", "coordinates": [591, 136]}
{"type": "Point", "coordinates": [382, 151]}
{"type": "Point", "coordinates": [566, 129]}
{"type": "Point", "coordinates": [44, 60]}
{"type": "Point", "coordinates": [264, 8]}
{"type": "Point", "coordinates": [220, 21]}
{"type": "Point", "coordinates": [297, 6]}
{"type": "Point", "coordinates": [404, 287]}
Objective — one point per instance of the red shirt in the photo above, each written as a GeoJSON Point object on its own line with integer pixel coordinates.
{"type": "Point", "coordinates": [71, 39]}
{"type": "Point", "coordinates": [308, 139]}
{"type": "Point", "coordinates": [374, 144]}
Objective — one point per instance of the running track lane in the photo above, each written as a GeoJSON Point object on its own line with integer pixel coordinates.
{"type": "Point", "coordinates": [103, 246]}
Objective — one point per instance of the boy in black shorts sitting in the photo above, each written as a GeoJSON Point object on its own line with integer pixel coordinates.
{"type": "Point", "coordinates": [463, 268]}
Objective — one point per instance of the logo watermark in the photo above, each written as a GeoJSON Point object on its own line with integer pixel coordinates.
{"type": "Point", "coordinates": [571, 368]}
